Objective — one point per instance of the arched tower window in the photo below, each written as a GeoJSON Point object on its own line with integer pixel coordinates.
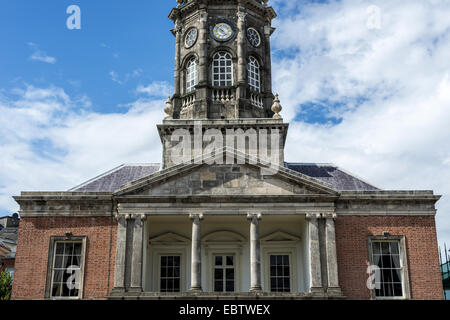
{"type": "Point", "coordinates": [191, 75]}
{"type": "Point", "coordinates": [222, 70]}
{"type": "Point", "coordinates": [254, 75]}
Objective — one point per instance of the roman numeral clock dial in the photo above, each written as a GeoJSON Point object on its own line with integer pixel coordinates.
{"type": "Point", "coordinates": [222, 31]}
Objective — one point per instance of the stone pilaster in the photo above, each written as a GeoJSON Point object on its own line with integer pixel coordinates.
{"type": "Point", "coordinates": [121, 246]}
{"type": "Point", "coordinates": [332, 266]}
{"type": "Point", "coordinates": [136, 260]}
{"type": "Point", "coordinates": [255, 253]}
{"type": "Point", "coordinates": [178, 34]}
{"type": "Point", "coordinates": [315, 277]}
{"type": "Point", "coordinates": [241, 56]}
{"type": "Point", "coordinates": [196, 253]}
{"type": "Point", "coordinates": [203, 91]}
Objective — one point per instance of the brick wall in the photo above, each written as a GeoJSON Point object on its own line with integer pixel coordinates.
{"type": "Point", "coordinates": [33, 247]}
{"type": "Point", "coordinates": [421, 241]}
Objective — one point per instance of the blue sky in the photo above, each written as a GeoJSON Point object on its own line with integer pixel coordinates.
{"type": "Point", "coordinates": [364, 84]}
{"type": "Point", "coordinates": [116, 36]}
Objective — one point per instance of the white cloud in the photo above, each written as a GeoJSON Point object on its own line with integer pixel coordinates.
{"type": "Point", "coordinates": [388, 87]}
{"type": "Point", "coordinates": [136, 73]}
{"type": "Point", "coordinates": [39, 55]}
{"type": "Point", "coordinates": [51, 141]}
{"type": "Point", "coordinates": [156, 89]}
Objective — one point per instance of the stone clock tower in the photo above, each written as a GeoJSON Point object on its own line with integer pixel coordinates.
{"type": "Point", "coordinates": [222, 59]}
{"type": "Point", "coordinates": [222, 71]}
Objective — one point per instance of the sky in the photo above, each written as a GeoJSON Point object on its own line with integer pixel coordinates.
{"type": "Point", "coordinates": [364, 84]}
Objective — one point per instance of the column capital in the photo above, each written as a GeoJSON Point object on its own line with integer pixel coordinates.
{"type": "Point", "coordinates": [251, 216]}
{"type": "Point", "coordinates": [241, 16]}
{"type": "Point", "coordinates": [142, 217]}
{"type": "Point", "coordinates": [329, 215]}
{"type": "Point", "coordinates": [315, 215]}
{"type": "Point", "coordinates": [195, 216]}
{"type": "Point", "coordinates": [119, 216]}
{"type": "Point", "coordinates": [203, 16]}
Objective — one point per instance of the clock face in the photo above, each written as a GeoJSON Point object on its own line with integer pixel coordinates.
{"type": "Point", "coordinates": [191, 38]}
{"type": "Point", "coordinates": [254, 37]}
{"type": "Point", "coordinates": [222, 31]}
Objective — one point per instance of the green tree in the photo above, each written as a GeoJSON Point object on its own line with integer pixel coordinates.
{"type": "Point", "coordinates": [5, 285]}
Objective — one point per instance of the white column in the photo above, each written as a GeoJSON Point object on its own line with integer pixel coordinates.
{"type": "Point", "coordinates": [121, 247]}
{"type": "Point", "coordinates": [332, 267]}
{"type": "Point", "coordinates": [136, 260]}
{"type": "Point", "coordinates": [315, 276]}
{"type": "Point", "coordinates": [196, 253]}
{"type": "Point", "coordinates": [255, 253]}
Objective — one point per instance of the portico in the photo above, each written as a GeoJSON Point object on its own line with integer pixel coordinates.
{"type": "Point", "coordinates": [250, 236]}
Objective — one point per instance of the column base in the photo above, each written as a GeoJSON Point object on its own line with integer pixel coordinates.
{"type": "Point", "coordinates": [117, 291]}
{"type": "Point", "coordinates": [317, 290]}
{"type": "Point", "coordinates": [196, 290]}
{"type": "Point", "coordinates": [256, 289]}
{"type": "Point", "coordinates": [335, 291]}
{"type": "Point", "coordinates": [135, 290]}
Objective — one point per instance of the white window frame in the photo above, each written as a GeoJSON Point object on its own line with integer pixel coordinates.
{"type": "Point", "coordinates": [211, 253]}
{"type": "Point", "coordinates": [217, 58]}
{"type": "Point", "coordinates": [156, 257]}
{"type": "Point", "coordinates": [50, 265]}
{"type": "Point", "coordinates": [289, 251]}
{"type": "Point", "coordinates": [191, 75]}
{"type": "Point", "coordinates": [254, 73]}
{"type": "Point", "coordinates": [403, 262]}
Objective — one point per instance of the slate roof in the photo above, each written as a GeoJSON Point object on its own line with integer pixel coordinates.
{"type": "Point", "coordinates": [116, 178]}
{"type": "Point", "coordinates": [329, 173]}
{"type": "Point", "coordinates": [113, 180]}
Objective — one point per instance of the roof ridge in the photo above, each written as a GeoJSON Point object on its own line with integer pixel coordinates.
{"type": "Point", "coordinates": [312, 163]}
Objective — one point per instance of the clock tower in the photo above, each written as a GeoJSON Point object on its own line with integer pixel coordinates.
{"type": "Point", "coordinates": [223, 74]}
{"type": "Point", "coordinates": [222, 59]}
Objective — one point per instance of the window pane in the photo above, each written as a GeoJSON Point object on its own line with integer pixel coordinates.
{"type": "Point", "coordinates": [385, 248]}
{"type": "Point", "coordinates": [218, 286]}
{"type": "Point", "coordinates": [60, 248]}
{"type": "Point", "coordinates": [219, 260]}
{"type": "Point", "coordinates": [390, 281]}
{"type": "Point", "coordinates": [58, 276]}
{"type": "Point", "coordinates": [58, 261]}
{"type": "Point", "coordinates": [394, 248]}
{"type": "Point", "coordinates": [230, 286]}
{"type": "Point", "coordinates": [66, 280]}
{"type": "Point", "coordinates": [57, 290]}
{"type": "Point", "coordinates": [229, 275]}
{"type": "Point", "coordinates": [280, 273]}
{"type": "Point", "coordinates": [222, 69]}
{"type": "Point", "coordinates": [230, 260]}
{"type": "Point", "coordinates": [398, 290]}
{"type": "Point", "coordinates": [218, 274]}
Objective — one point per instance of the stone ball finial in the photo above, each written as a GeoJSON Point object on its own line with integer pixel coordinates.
{"type": "Point", "coordinates": [276, 107]}
{"type": "Point", "coordinates": [168, 109]}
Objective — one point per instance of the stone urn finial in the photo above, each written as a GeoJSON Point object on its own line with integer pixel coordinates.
{"type": "Point", "coordinates": [276, 107]}
{"type": "Point", "coordinates": [168, 109]}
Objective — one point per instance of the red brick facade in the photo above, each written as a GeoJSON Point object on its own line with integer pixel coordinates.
{"type": "Point", "coordinates": [352, 251]}
{"type": "Point", "coordinates": [352, 234]}
{"type": "Point", "coordinates": [33, 247]}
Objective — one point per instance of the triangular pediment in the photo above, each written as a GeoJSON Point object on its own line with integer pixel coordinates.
{"type": "Point", "coordinates": [223, 237]}
{"type": "Point", "coordinates": [169, 238]}
{"type": "Point", "coordinates": [250, 177]}
{"type": "Point", "coordinates": [279, 236]}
